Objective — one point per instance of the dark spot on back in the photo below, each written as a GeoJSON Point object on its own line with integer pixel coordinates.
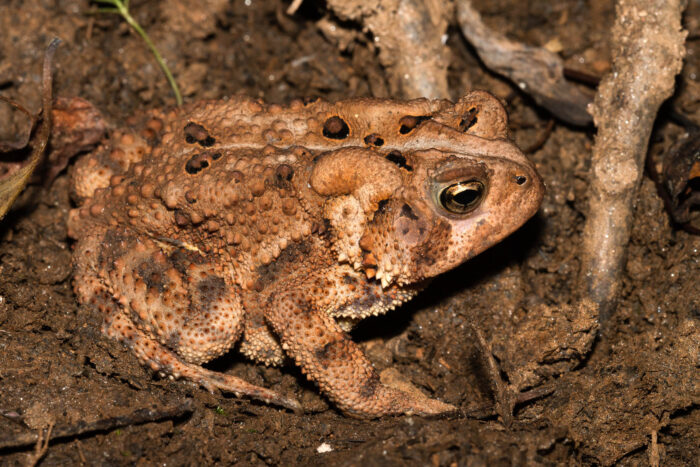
{"type": "Point", "coordinates": [199, 161]}
{"type": "Point", "coordinates": [336, 128]}
{"type": "Point", "coordinates": [196, 133]}
{"type": "Point", "coordinates": [374, 140]}
{"type": "Point", "coordinates": [196, 163]}
{"type": "Point", "coordinates": [397, 158]}
{"type": "Point", "coordinates": [469, 119]}
{"type": "Point", "coordinates": [284, 173]}
{"type": "Point", "coordinates": [189, 197]}
{"type": "Point", "coordinates": [208, 141]}
{"type": "Point", "coordinates": [410, 122]}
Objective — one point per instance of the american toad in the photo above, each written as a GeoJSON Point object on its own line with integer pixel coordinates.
{"type": "Point", "coordinates": [279, 227]}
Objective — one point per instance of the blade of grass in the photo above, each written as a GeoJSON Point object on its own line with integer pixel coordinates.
{"type": "Point", "coordinates": [122, 8]}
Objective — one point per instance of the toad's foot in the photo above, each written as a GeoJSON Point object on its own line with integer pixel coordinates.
{"type": "Point", "coordinates": [420, 404]}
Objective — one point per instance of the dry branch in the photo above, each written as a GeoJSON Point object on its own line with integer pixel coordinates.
{"type": "Point", "coordinates": [647, 53]}
{"type": "Point", "coordinates": [536, 71]}
{"type": "Point", "coordinates": [138, 417]}
{"type": "Point", "coordinates": [410, 37]}
{"type": "Point", "coordinates": [41, 447]}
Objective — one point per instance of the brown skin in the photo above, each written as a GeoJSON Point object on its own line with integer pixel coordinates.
{"type": "Point", "coordinates": [281, 227]}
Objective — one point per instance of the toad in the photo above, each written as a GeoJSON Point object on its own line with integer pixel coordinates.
{"type": "Point", "coordinates": [277, 228]}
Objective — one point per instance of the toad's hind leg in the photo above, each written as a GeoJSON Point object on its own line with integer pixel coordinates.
{"type": "Point", "coordinates": [172, 307]}
{"type": "Point", "coordinates": [159, 358]}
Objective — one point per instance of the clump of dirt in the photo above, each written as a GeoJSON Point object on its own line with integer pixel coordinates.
{"type": "Point", "coordinates": [631, 396]}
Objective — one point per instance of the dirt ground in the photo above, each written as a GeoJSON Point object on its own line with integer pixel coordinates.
{"type": "Point", "coordinates": [630, 396]}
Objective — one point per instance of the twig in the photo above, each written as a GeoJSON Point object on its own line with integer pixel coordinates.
{"type": "Point", "coordinates": [122, 8]}
{"type": "Point", "coordinates": [581, 77]}
{"type": "Point", "coordinates": [410, 36]}
{"type": "Point", "coordinates": [138, 417]}
{"type": "Point", "coordinates": [654, 457]}
{"type": "Point", "coordinates": [535, 70]}
{"type": "Point", "coordinates": [502, 395]}
{"type": "Point", "coordinates": [505, 396]}
{"type": "Point", "coordinates": [41, 447]}
{"type": "Point", "coordinates": [294, 6]}
{"type": "Point", "coordinates": [482, 412]}
{"type": "Point", "coordinates": [79, 448]}
{"type": "Point", "coordinates": [531, 395]}
{"type": "Point", "coordinates": [647, 53]}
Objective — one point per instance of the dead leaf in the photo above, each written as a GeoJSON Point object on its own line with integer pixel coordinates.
{"type": "Point", "coordinates": [12, 185]}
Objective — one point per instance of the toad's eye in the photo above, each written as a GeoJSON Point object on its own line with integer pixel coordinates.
{"type": "Point", "coordinates": [462, 197]}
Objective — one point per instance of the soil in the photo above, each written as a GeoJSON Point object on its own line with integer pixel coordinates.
{"type": "Point", "coordinates": [627, 395]}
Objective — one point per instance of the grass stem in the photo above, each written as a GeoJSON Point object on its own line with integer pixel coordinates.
{"type": "Point", "coordinates": [122, 8]}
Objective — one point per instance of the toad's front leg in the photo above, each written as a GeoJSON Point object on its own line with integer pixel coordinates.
{"type": "Point", "coordinates": [329, 357]}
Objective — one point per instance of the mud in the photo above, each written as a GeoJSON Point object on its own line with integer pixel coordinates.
{"type": "Point", "coordinates": [629, 397]}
